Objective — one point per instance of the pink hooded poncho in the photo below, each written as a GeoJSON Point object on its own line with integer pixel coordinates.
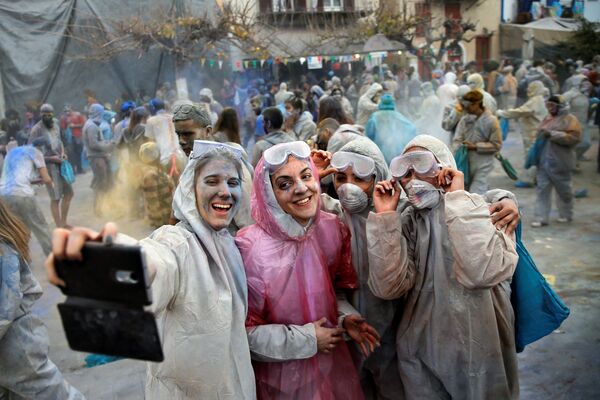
{"type": "Point", "coordinates": [292, 279]}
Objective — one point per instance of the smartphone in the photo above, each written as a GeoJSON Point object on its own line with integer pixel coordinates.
{"type": "Point", "coordinates": [106, 292]}
{"type": "Point", "coordinates": [115, 273]}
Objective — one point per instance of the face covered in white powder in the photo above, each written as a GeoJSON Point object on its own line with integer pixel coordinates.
{"type": "Point", "coordinates": [218, 190]}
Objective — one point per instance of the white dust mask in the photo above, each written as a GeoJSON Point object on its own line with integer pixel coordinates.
{"type": "Point", "coordinates": [422, 194]}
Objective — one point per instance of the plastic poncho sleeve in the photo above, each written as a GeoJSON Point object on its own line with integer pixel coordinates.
{"type": "Point", "coordinates": [10, 291]}
{"type": "Point", "coordinates": [391, 267]}
{"type": "Point", "coordinates": [483, 255]}
{"type": "Point", "coordinates": [525, 110]}
{"type": "Point", "coordinates": [160, 250]}
{"type": "Point", "coordinates": [277, 342]}
{"type": "Point", "coordinates": [496, 195]}
{"type": "Point", "coordinates": [570, 136]}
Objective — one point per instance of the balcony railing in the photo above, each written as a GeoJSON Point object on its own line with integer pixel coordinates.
{"type": "Point", "coordinates": [301, 13]}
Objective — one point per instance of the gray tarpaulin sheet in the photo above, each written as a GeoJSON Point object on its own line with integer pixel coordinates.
{"type": "Point", "coordinates": [38, 53]}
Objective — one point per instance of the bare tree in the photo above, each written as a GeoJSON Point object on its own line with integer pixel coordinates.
{"type": "Point", "coordinates": [420, 35]}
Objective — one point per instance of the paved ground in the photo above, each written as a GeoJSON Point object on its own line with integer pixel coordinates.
{"type": "Point", "coordinates": [564, 365]}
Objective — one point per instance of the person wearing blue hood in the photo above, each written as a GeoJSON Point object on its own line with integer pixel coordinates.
{"type": "Point", "coordinates": [119, 128]}
{"type": "Point", "coordinates": [98, 151]}
{"type": "Point", "coordinates": [389, 129]}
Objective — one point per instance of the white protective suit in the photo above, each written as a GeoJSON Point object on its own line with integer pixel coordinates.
{"type": "Point", "coordinates": [366, 105]}
{"type": "Point", "coordinates": [453, 112]}
{"type": "Point", "coordinates": [475, 82]}
{"type": "Point", "coordinates": [530, 115]}
{"type": "Point", "coordinates": [305, 127]}
{"type": "Point", "coordinates": [448, 91]}
{"type": "Point", "coordinates": [484, 132]}
{"type": "Point", "coordinates": [557, 160]}
{"type": "Point", "coordinates": [26, 372]}
{"type": "Point", "coordinates": [200, 304]}
{"type": "Point", "coordinates": [282, 95]}
{"type": "Point", "coordinates": [379, 372]}
{"type": "Point", "coordinates": [579, 104]}
{"type": "Point", "coordinates": [430, 115]}
{"type": "Point", "coordinates": [456, 336]}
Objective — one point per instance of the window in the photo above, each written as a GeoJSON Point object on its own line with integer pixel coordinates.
{"type": "Point", "coordinates": [452, 13]}
{"type": "Point", "coordinates": [423, 12]}
{"type": "Point", "coordinates": [283, 5]}
{"type": "Point", "coordinates": [332, 5]}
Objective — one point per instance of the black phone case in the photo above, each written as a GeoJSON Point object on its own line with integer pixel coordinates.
{"type": "Point", "coordinates": [106, 292]}
{"type": "Point", "coordinates": [108, 273]}
{"type": "Point", "coordinates": [108, 328]}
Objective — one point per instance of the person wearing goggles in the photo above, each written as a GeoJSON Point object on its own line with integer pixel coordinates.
{"type": "Point", "coordinates": [298, 263]}
{"type": "Point", "coordinates": [197, 280]}
{"type": "Point", "coordinates": [457, 316]}
{"type": "Point", "coordinates": [479, 131]}
{"type": "Point", "coordinates": [356, 168]}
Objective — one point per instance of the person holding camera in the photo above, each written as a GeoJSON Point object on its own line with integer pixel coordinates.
{"type": "Point", "coordinates": [198, 281]}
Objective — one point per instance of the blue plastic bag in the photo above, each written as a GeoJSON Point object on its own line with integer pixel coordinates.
{"type": "Point", "coordinates": [504, 127]}
{"type": "Point", "coordinates": [461, 156]}
{"type": "Point", "coordinates": [538, 309]}
{"type": "Point", "coordinates": [66, 171]}
{"type": "Point", "coordinates": [535, 152]}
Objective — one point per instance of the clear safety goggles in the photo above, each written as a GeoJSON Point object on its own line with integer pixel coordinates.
{"type": "Point", "coordinates": [202, 147]}
{"type": "Point", "coordinates": [277, 155]}
{"type": "Point", "coordinates": [423, 163]}
{"type": "Point", "coordinates": [362, 166]}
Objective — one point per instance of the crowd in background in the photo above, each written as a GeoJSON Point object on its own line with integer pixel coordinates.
{"type": "Point", "coordinates": [308, 178]}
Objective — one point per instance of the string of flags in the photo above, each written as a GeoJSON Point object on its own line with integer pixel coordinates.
{"type": "Point", "coordinates": [312, 62]}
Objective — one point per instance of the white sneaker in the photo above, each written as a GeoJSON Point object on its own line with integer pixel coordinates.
{"type": "Point", "coordinates": [538, 224]}
{"type": "Point", "coordinates": [563, 220]}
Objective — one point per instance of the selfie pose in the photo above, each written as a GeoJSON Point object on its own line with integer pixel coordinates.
{"type": "Point", "coordinates": [198, 282]}
{"type": "Point", "coordinates": [443, 254]}
{"type": "Point", "coordinates": [357, 167]}
{"type": "Point", "coordinates": [298, 264]}
{"type": "Point", "coordinates": [26, 372]}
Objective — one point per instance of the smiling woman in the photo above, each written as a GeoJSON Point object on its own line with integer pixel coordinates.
{"type": "Point", "coordinates": [198, 282]}
{"type": "Point", "coordinates": [218, 191]}
{"type": "Point", "coordinates": [297, 260]}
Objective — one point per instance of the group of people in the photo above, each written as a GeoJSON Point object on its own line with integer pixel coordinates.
{"type": "Point", "coordinates": [302, 254]}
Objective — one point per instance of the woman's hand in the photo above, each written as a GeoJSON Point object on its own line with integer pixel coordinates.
{"type": "Point", "coordinates": [327, 338]}
{"type": "Point", "coordinates": [322, 160]}
{"type": "Point", "coordinates": [362, 333]}
{"type": "Point", "coordinates": [505, 214]}
{"type": "Point", "coordinates": [451, 179]}
{"type": "Point", "coordinates": [386, 196]}
{"type": "Point", "coordinates": [67, 245]}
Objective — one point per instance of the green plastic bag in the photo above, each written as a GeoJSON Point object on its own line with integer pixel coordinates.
{"type": "Point", "coordinates": [461, 156]}
{"type": "Point", "coordinates": [507, 167]}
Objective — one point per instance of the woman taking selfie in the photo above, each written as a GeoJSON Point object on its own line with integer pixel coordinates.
{"type": "Point", "coordinates": [198, 282]}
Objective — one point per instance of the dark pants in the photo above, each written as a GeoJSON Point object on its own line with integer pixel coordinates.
{"type": "Point", "coordinates": [75, 150]}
